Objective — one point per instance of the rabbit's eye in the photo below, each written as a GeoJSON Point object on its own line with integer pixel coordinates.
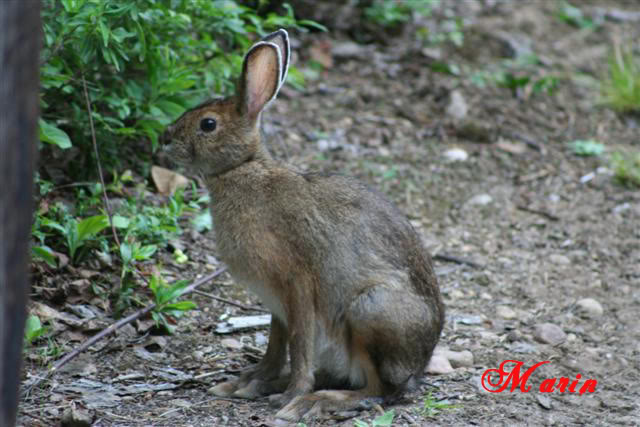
{"type": "Point", "coordinates": [208, 125]}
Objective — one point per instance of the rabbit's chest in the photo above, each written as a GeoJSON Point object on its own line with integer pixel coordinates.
{"type": "Point", "coordinates": [255, 256]}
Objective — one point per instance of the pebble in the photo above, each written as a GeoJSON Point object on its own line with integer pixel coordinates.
{"type": "Point", "coordinates": [231, 343]}
{"type": "Point", "coordinates": [75, 417]}
{"type": "Point", "coordinates": [460, 359]}
{"type": "Point", "coordinates": [590, 308]}
{"type": "Point", "coordinates": [456, 155]}
{"type": "Point", "coordinates": [457, 107]}
{"type": "Point", "coordinates": [480, 199]}
{"type": "Point", "coordinates": [559, 259]}
{"type": "Point", "coordinates": [548, 333]}
{"type": "Point", "coordinates": [348, 50]}
{"type": "Point", "coordinates": [505, 312]}
{"type": "Point", "coordinates": [439, 364]}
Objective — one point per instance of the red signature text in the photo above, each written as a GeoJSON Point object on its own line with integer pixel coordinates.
{"type": "Point", "coordinates": [505, 377]}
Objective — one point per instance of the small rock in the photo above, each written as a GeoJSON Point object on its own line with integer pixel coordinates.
{"type": "Point", "coordinates": [480, 199]}
{"type": "Point", "coordinates": [455, 155]}
{"type": "Point", "coordinates": [559, 259]}
{"type": "Point", "coordinates": [544, 401]}
{"type": "Point", "coordinates": [460, 359]}
{"type": "Point", "coordinates": [348, 50]}
{"type": "Point", "coordinates": [75, 417]}
{"type": "Point", "coordinates": [505, 312]}
{"type": "Point", "coordinates": [523, 347]}
{"type": "Point", "coordinates": [231, 343]}
{"type": "Point", "coordinates": [439, 364]}
{"type": "Point", "coordinates": [198, 356]}
{"type": "Point", "coordinates": [548, 333]}
{"type": "Point", "coordinates": [457, 107]}
{"type": "Point", "coordinates": [588, 307]}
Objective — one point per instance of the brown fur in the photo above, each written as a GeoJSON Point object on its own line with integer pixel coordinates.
{"type": "Point", "coordinates": [350, 286]}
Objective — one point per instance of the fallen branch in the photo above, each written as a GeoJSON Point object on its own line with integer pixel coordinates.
{"type": "Point", "coordinates": [120, 323]}
{"type": "Point", "coordinates": [457, 260]}
{"type": "Point", "coordinates": [547, 215]}
{"type": "Point", "coordinates": [227, 301]}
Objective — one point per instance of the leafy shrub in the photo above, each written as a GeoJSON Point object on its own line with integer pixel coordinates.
{"type": "Point", "coordinates": [144, 63]}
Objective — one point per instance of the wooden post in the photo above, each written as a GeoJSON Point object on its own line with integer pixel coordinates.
{"type": "Point", "coordinates": [20, 36]}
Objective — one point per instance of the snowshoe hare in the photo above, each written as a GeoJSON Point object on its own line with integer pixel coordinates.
{"type": "Point", "coordinates": [350, 286]}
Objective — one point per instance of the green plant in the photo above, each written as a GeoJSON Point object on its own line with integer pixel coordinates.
{"type": "Point", "coordinates": [33, 329]}
{"type": "Point", "coordinates": [384, 420]}
{"type": "Point", "coordinates": [431, 406]}
{"type": "Point", "coordinates": [588, 147]}
{"type": "Point", "coordinates": [165, 297]}
{"type": "Point", "coordinates": [621, 88]}
{"type": "Point", "coordinates": [573, 16]}
{"type": "Point", "coordinates": [626, 168]}
{"type": "Point", "coordinates": [390, 13]}
{"type": "Point", "coordinates": [76, 233]}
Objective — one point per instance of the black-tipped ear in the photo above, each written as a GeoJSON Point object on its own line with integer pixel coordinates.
{"type": "Point", "coordinates": [281, 39]}
{"type": "Point", "coordinates": [260, 79]}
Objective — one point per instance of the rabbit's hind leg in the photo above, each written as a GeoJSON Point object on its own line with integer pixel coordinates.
{"type": "Point", "coordinates": [391, 337]}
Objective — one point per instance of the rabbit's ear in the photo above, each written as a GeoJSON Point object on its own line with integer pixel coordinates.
{"type": "Point", "coordinates": [281, 39]}
{"type": "Point", "coordinates": [260, 78]}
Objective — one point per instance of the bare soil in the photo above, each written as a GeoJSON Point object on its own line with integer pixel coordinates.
{"type": "Point", "coordinates": [555, 228]}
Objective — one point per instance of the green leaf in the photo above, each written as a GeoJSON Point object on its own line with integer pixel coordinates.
{"type": "Point", "coordinates": [587, 147]}
{"type": "Point", "coordinates": [384, 420]}
{"type": "Point", "coordinates": [171, 108]}
{"type": "Point", "coordinates": [33, 329]}
{"type": "Point", "coordinates": [120, 221]}
{"type": "Point", "coordinates": [145, 252]}
{"type": "Point", "coordinates": [203, 221]}
{"type": "Point", "coordinates": [46, 222]}
{"type": "Point", "coordinates": [45, 254]}
{"type": "Point", "coordinates": [126, 254]}
{"type": "Point", "coordinates": [171, 292]}
{"type": "Point", "coordinates": [104, 31]}
{"type": "Point", "coordinates": [52, 135]}
{"type": "Point", "coordinates": [91, 226]}
{"type": "Point", "coordinates": [180, 306]}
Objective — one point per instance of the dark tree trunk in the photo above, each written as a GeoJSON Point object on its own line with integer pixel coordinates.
{"type": "Point", "coordinates": [20, 31]}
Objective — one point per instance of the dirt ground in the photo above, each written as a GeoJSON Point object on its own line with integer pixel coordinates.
{"type": "Point", "coordinates": [542, 227]}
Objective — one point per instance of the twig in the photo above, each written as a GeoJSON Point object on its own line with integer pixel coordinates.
{"type": "Point", "coordinates": [547, 215]}
{"type": "Point", "coordinates": [457, 260]}
{"type": "Point", "coordinates": [95, 149]}
{"type": "Point", "coordinates": [227, 301]}
{"type": "Point", "coordinates": [97, 337]}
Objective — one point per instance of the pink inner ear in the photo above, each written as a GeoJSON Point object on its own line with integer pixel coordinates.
{"type": "Point", "coordinates": [262, 78]}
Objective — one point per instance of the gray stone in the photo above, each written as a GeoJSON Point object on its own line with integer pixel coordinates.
{"type": "Point", "coordinates": [505, 312]}
{"type": "Point", "coordinates": [590, 308]}
{"type": "Point", "coordinates": [548, 333]}
{"type": "Point", "coordinates": [460, 359]}
{"type": "Point", "coordinates": [480, 199]}
{"type": "Point", "coordinates": [455, 155]}
{"type": "Point", "coordinates": [457, 107]}
{"type": "Point", "coordinates": [559, 259]}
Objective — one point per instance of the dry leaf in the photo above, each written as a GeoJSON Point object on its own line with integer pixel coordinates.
{"type": "Point", "coordinates": [167, 181]}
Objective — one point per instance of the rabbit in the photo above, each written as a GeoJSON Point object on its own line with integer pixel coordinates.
{"type": "Point", "coordinates": [351, 288]}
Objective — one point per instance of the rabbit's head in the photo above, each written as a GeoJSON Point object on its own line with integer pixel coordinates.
{"type": "Point", "coordinates": [221, 134]}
